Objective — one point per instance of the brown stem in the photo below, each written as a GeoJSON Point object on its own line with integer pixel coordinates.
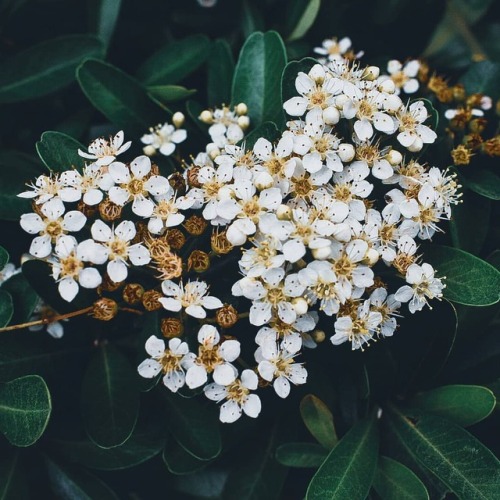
{"type": "Point", "coordinates": [130, 310]}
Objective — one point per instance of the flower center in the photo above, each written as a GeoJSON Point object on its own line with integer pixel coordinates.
{"type": "Point", "coordinates": [325, 290]}
{"type": "Point", "coordinates": [170, 362]}
{"type": "Point", "coordinates": [366, 109]}
{"type": "Point", "coordinates": [236, 392]}
{"type": "Point", "coordinates": [275, 165]}
{"type": "Point", "coordinates": [251, 208]}
{"type": "Point", "coordinates": [342, 192]}
{"type": "Point", "coordinates": [54, 229]}
{"type": "Point", "coordinates": [118, 248]}
{"type": "Point", "coordinates": [302, 187]}
{"type": "Point", "coordinates": [136, 187]}
{"type": "Point", "coordinates": [319, 98]}
{"type": "Point", "coordinates": [208, 356]}
{"type": "Point", "coordinates": [71, 266]}
{"type": "Point", "coordinates": [407, 122]}
{"type": "Point", "coordinates": [275, 296]}
{"type": "Point", "coordinates": [344, 266]}
{"type": "Point", "coordinates": [283, 366]}
{"type": "Point", "coordinates": [164, 209]}
{"type": "Point", "coordinates": [368, 153]}
{"type": "Point", "coordinates": [399, 78]}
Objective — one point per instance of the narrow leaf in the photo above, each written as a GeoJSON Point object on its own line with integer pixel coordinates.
{"type": "Point", "coordinates": [13, 483]}
{"type": "Point", "coordinates": [103, 17]}
{"type": "Point", "coordinates": [302, 455]}
{"type": "Point", "coordinates": [319, 420]}
{"type": "Point", "coordinates": [220, 73]}
{"type": "Point", "coordinates": [169, 93]}
{"type": "Point", "coordinates": [309, 10]}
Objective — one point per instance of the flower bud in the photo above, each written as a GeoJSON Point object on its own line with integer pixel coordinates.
{"type": "Point", "coordinates": [178, 119]}
{"type": "Point", "coordinates": [171, 327]}
{"type": "Point", "coordinates": [318, 336]}
{"type": "Point", "coordinates": [132, 293]}
{"type": "Point", "coordinates": [212, 150]}
{"type": "Point", "coordinates": [300, 305]}
{"type": "Point", "coordinates": [417, 145]}
{"type": "Point", "coordinates": [241, 109]}
{"type": "Point", "coordinates": [340, 100]}
{"type": "Point", "coordinates": [150, 300]}
{"type": "Point", "coordinates": [263, 180]}
{"type": "Point", "coordinates": [346, 152]}
{"type": "Point", "coordinates": [371, 73]}
{"type": "Point", "coordinates": [149, 150]}
{"type": "Point", "coordinates": [206, 117]}
{"type": "Point", "coordinates": [394, 157]}
{"type": "Point", "coordinates": [243, 122]}
{"type": "Point", "coordinates": [331, 115]}
{"type": "Point", "coordinates": [226, 316]}
{"type": "Point", "coordinates": [284, 212]}
{"type": "Point", "coordinates": [198, 261]}
{"type": "Point", "coordinates": [387, 86]}
{"type": "Point", "coordinates": [371, 257]}
{"type": "Point", "coordinates": [104, 309]}
{"type": "Point", "coordinates": [321, 253]}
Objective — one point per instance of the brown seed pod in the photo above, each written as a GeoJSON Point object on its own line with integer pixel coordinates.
{"type": "Point", "coordinates": [226, 316]}
{"type": "Point", "coordinates": [87, 210]}
{"type": "Point", "coordinates": [150, 300]}
{"type": "Point", "coordinates": [219, 243]}
{"type": "Point", "coordinates": [195, 225]}
{"type": "Point", "coordinates": [177, 181]}
{"type": "Point", "coordinates": [169, 267]}
{"type": "Point", "coordinates": [192, 176]}
{"type": "Point", "coordinates": [171, 327]}
{"type": "Point", "coordinates": [198, 261]}
{"type": "Point", "coordinates": [175, 238]}
{"type": "Point", "coordinates": [109, 211]}
{"type": "Point", "coordinates": [132, 293]}
{"type": "Point", "coordinates": [104, 309]}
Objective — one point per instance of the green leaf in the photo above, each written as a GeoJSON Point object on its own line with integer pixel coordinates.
{"type": "Point", "coordinates": [290, 73]}
{"type": "Point", "coordinates": [194, 426]}
{"type": "Point", "coordinates": [103, 17]}
{"type": "Point", "coordinates": [13, 483]}
{"type": "Point", "coordinates": [394, 481]}
{"type": "Point", "coordinates": [468, 468]}
{"type": "Point", "coordinates": [25, 408]}
{"type": "Point", "coordinates": [59, 152]}
{"type": "Point", "coordinates": [483, 181]}
{"type": "Point", "coordinates": [175, 61]}
{"type": "Point", "coordinates": [6, 308]}
{"type": "Point", "coordinates": [110, 398]}
{"type": "Point", "coordinates": [463, 404]}
{"type": "Point", "coordinates": [21, 169]}
{"type": "Point", "coordinates": [302, 15]}
{"type": "Point", "coordinates": [482, 77]}
{"type": "Point", "coordinates": [76, 483]}
{"type": "Point", "coordinates": [319, 420]}
{"type": "Point", "coordinates": [268, 130]}
{"type": "Point", "coordinates": [303, 455]}
{"type": "Point", "coordinates": [220, 73]}
{"type": "Point", "coordinates": [119, 97]}
{"type": "Point", "coordinates": [46, 67]}
{"type": "Point", "coordinates": [257, 77]}
{"type": "Point", "coordinates": [252, 18]}
{"type": "Point", "coordinates": [469, 280]}
{"type": "Point", "coordinates": [4, 257]}
{"type": "Point", "coordinates": [147, 440]}
{"type": "Point", "coordinates": [466, 233]}
{"type": "Point", "coordinates": [179, 461]}
{"type": "Point", "coordinates": [348, 471]}
{"type": "Point", "coordinates": [24, 298]}
{"type": "Point", "coordinates": [169, 93]}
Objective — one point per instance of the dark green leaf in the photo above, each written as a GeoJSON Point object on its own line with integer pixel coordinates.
{"type": "Point", "coordinates": [169, 93]}
{"type": "Point", "coordinates": [4, 258]}
{"type": "Point", "coordinates": [483, 182]}
{"type": "Point", "coordinates": [59, 152]}
{"type": "Point", "coordinates": [252, 18]}
{"type": "Point", "coordinates": [25, 408]}
{"type": "Point", "coordinates": [45, 68]}
{"type": "Point", "coordinates": [465, 232]}
{"type": "Point", "coordinates": [24, 298]}
{"type": "Point", "coordinates": [257, 77]}
{"type": "Point", "coordinates": [175, 61]}
{"type": "Point", "coordinates": [468, 468]}
{"type": "Point", "coordinates": [22, 169]}
{"type": "Point", "coordinates": [103, 17]}
{"type": "Point", "coordinates": [469, 280]}
{"type": "Point", "coordinates": [268, 130]}
{"type": "Point", "coordinates": [290, 73]}
{"type": "Point", "coordinates": [119, 97]}
{"type": "Point", "coordinates": [302, 14]}
{"type": "Point", "coordinates": [463, 404]}
{"type": "Point", "coordinates": [319, 420]}
{"type": "Point", "coordinates": [6, 308]}
{"type": "Point", "coordinates": [13, 483]}
{"type": "Point", "coordinates": [220, 73]}
{"type": "Point", "coordinates": [482, 77]}
{"type": "Point", "coordinates": [394, 481]}
{"type": "Point", "coordinates": [110, 398]}
{"type": "Point", "coordinates": [348, 471]}
{"type": "Point", "coordinates": [303, 455]}
{"type": "Point", "coordinates": [76, 483]}
{"type": "Point", "coordinates": [195, 426]}
{"type": "Point", "coordinates": [179, 461]}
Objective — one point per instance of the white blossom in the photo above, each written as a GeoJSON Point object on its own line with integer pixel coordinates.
{"type": "Point", "coordinates": [105, 151]}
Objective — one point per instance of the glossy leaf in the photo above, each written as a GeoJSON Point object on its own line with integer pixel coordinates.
{"type": "Point", "coordinates": [25, 407]}
{"type": "Point", "coordinates": [13, 482]}
{"type": "Point", "coordinates": [119, 97]}
{"type": "Point", "coordinates": [76, 483]}
{"type": "Point", "coordinates": [179, 461]}
{"type": "Point", "coordinates": [194, 426]}
{"type": "Point", "coordinates": [469, 280]}
{"type": "Point", "coordinates": [110, 398]}
{"type": "Point", "coordinates": [348, 471]}
{"type": "Point", "coordinates": [175, 61]}
{"type": "Point", "coordinates": [483, 182]}
{"type": "Point", "coordinates": [482, 77]}
{"type": "Point", "coordinates": [46, 67]}
{"type": "Point", "coordinates": [268, 130]}
{"type": "Point", "coordinates": [257, 77]}
{"type": "Point", "coordinates": [394, 481]}
{"type": "Point", "coordinates": [220, 73]}
{"type": "Point", "coordinates": [301, 455]}
{"type": "Point", "coordinates": [6, 308]}
{"type": "Point", "coordinates": [169, 93]}
{"type": "Point", "coordinates": [24, 298]}
{"type": "Point", "coordinates": [319, 420]}
{"type": "Point", "coordinates": [302, 15]}
{"type": "Point", "coordinates": [468, 468]}
{"type": "Point", "coordinates": [103, 17]}
{"type": "Point", "coordinates": [59, 152]}
{"type": "Point", "coordinates": [463, 404]}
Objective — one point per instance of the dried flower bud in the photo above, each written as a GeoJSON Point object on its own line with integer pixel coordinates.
{"type": "Point", "coordinates": [158, 248]}
{"type": "Point", "coordinates": [171, 327]}
{"type": "Point", "coordinates": [219, 243]}
{"type": "Point", "coordinates": [87, 210]}
{"type": "Point", "coordinates": [198, 261]}
{"type": "Point", "coordinates": [104, 309]}
{"type": "Point", "coordinates": [472, 141]}
{"type": "Point", "coordinates": [150, 300]}
{"type": "Point", "coordinates": [195, 225]}
{"type": "Point", "coordinates": [108, 285]}
{"type": "Point", "coordinates": [175, 238]}
{"type": "Point", "coordinates": [459, 92]}
{"type": "Point", "coordinates": [142, 233]}
{"type": "Point", "coordinates": [226, 316]}
{"type": "Point", "coordinates": [318, 336]}
{"type": "Point", "coordinates": [461, 155]}
{"type": "Point", "coordinates": [155, 170]}
{"type": "Point", "coordinates": [492, 146]}
{"type": "Point", "coordinates": [478, 125]}
{"type": "Point", "coordinates": [132, 293]}
{"type": "Point", "coordinates": [169, 267]}
{"type": "Point", "coordinates": [192, 176]}
{"type": "Point", "coordinates": [402, 262]}
{"type": "Point", "coordinates": [177, 181]}
{"type": "Point", "coordinates": [109, 211]}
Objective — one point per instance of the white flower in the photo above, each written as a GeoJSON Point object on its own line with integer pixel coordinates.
{"type": "Point", "coordinates": [88, 184]}
{"type": "Point", "coordinates": [412, 133]}
{"type": "Point", "coordinates": [276, 162]}
{"type": "Point", "coordinates": [169, 361]}
{"type": "Point", "coordinates": [192, 297]}
{"type": "Point", "coordinates": [69, 269]}
{"type": "Point", "coordinates": [423, 286]}
{"type": "Point", "coordinates": [166, 211]}
{"type": "Point", "coordinates": [404, 76]}
{"type": "Point", "coordinates": [213, 357]}
{"type": "Point", "coordinates": [136, 184]}
{"type": "Point", "coordinates": [42, 311]}
{"type": "Point", "coordinates": [388, 307]}
{"type": "Point", "coordinates": [104, 152]}
{"type": "Point", "coordinates": [51, 227]}
{"type": "Point", "coordinates": [8, 270]}
{"type": "Point", "coordinates": [164, 138]}
{"type": "Point", "coordinates": [278, 366]}
{"type": "Point", "coordinates": [225, 129]}
{"type": "Point", "coordinates": [47, 187]}
{"type": "Point", "coordinates": [334, 49]}
{"type": "Point", "coordinates": [264, 255]}
{"type": "Point", "coordinates": [238, 397]}
{"type": "Point", "coordinates": [115, 246]}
